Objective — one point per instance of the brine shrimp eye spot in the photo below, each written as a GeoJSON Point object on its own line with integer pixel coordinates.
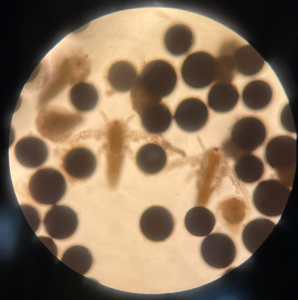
{"type": "Point", "coordinates": [116, 122]}
{"type": "Point", "coordinates": [215, 150]}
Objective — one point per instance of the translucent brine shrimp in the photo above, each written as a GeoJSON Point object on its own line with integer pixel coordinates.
{"type": "Point", "coordinates": [116, 145]}
{"type": "Point", "coordinates": [115, 150]}
{"type": "Point", "coordinates": [209, 174]}
{"type": "Point", "coordinates": [212, 169]}
{"type": "Point", "coordinates": [71, 70]}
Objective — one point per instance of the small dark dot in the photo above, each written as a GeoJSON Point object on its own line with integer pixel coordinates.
{"type": "Point", "coordinates": [18, 105]}
{"type": "Point", "coordinates": [191, 114]}
{"type": "Point", "coordinates": [151, 158]}
{"type": "Point", "coordinates": [60, 222]}
{"type": "Point", "coordinates": [49, 243]}
{"type": "Point", "coordinates": [248, 133]}
{"type": "Point", "coordinates": [82, 28]}
{"type": "Point", "coordinates": [286, 119]}
{"type": "Point", "coordinates": [80, 163]}
{"type": "Point", "coordinates": [31, 151]}
{"type": "Point", "coordinates": [281, 152]}
{"type": "Point", "coordinates": [83, 96]}
{"type": "Point", "coordinates": [121, 75]}
{"type": "Point", "coordinates": [257, 94]}
{"type": "Point", "coordinates": [178, 39]}
{"type": "Point", "coordinates": [249, 168]}
{"type": "Point", "coordinates": [78, 258]}
{"type": "Point", "coordinates": [34, 73]}
{"type": "Point", "coordinates": [270, 197]}
{"type": "Point", "coordinates": [225, 67]}
{"type": "Point", "coordinates": [233, 210]}
{"type": "Point", "coordinates": [32, 216]}
{"type": "Point", "coordinates": [156, 223]}
{"type": "Point", "coordinates": [12, 136]}
{"type": "Point", "coordinates": [198, 69]}
{"type": "Point", "coordinates": [157, 118]}
{"type": "Point", "coordinates": [47, 186]}
{"type": "Point", "coordinates": [159, 78]}
{"type": "Point", "coordinates": [218, 250]}
{"type": "Point", "coordinates": [256, 232]}
{"type": "Point", "coordinates": [249, 61]}
{"type": "Point", "coordinates": [199, 221]}
{"type": "Point", "coordinates": [223, 97]}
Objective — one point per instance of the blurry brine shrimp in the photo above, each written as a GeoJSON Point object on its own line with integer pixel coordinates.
{"type": "Point", "coordinates": [72, 69]}
{"type": "Point", "coordinates": [116, 144]}
{"type": "Point", "coordinates": [56, 123]}
{"type": "Point", "coordinates": [212, 168]}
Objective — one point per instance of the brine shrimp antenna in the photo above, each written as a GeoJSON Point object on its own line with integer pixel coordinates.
{"type": "Point", "coordinates": [201, 143]}
{"type": "Point", "coordinates": [104, 116]}
{"type": "Point", "coordinates": [130, 118]}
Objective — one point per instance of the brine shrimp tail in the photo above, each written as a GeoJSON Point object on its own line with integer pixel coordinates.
{"type": "Point", "coordinates": [201, 143]}
{"type": "Point", "coordinates": [204, 193]}
{"type": "Point", "coordinates": [114, 168]}
{"type": "Point", "coordinates": [104, 116]}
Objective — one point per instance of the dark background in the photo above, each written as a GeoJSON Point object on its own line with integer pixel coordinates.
{"type": "Point", "coordinates": [29, 29]}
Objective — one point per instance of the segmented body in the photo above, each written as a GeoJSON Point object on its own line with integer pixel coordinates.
{"type": "Point", "coordinates": [209, 175]}
{"type": "Point", "coordinates": [71, 70]}
{"type": "Point", "coordinates": [117, 137]}
{"type": "Point", "coordinates": [116, 151]}
{"type": "Point", "coordinates": [212, 168]}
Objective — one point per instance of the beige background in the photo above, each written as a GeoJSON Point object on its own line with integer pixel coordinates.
{"type": "Point", "coordinates": [108, 220]}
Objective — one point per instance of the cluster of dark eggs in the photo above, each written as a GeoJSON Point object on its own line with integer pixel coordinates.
{"type": "Point", "coordinates": [156, 81]}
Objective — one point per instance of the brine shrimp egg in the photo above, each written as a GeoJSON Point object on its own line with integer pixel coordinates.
{"type": "Point", "coordinates": [233, 210]}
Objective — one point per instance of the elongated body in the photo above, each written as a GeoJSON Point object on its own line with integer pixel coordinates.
{"type": "Point", "coordinates": [212, 168]}
{"type": "Point", "coordinates": [71, 70]}
{"type": "Point", "coordinates": [209, 174]}
{"type": "Point", "coordinates": [115, 136]}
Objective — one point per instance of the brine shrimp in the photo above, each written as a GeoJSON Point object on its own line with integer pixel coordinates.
{"type": "Point", "coordinates": [117, 137]}
{"type": "Point", "coordinates": [212, 168]}
{"type": "Point", "coordinates": [71, 70]}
